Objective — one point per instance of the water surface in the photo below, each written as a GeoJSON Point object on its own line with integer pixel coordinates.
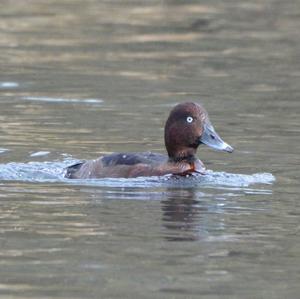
{"type": "Point", "coordinates": [83, 78]}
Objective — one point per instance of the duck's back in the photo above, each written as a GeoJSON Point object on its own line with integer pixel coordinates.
{"type": "Point", "coordinates": [117, 165]}
{"type": "Point", "coordinates": [133, 159]}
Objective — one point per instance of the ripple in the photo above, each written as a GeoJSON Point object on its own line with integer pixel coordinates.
{"type": "Point", "coordinates": [9, 84]}
{"type": "Point", "coordinates": [2, 150]}
{"type": "Point", "coordinates": [63, 100]}
{"type": "Point", "coordinates": [39, 154]}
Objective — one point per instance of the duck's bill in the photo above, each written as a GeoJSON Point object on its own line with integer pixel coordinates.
{"type": "Point", "coordinates": [213, 140]}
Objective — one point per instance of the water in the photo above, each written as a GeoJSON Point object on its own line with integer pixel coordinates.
{"type": "Point", "coordinates": [83, 78]}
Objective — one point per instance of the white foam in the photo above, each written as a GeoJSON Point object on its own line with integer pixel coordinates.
{"type": "Point", "coordinates": [54, 171]}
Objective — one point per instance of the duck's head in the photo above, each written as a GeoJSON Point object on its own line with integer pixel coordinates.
{"type": "Point", "coordinates": [186, 128]}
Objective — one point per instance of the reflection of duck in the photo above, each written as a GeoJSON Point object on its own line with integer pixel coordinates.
{"type": "Point", "coordinates": [186, 128]}
{"type": "Point", "coordinates": [181, 215]}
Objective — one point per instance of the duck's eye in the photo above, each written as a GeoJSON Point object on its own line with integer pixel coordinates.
{"type": "Point", "coordinates": [189, 119]}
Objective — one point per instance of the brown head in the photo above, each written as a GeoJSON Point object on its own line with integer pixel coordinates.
{"type": "Point", "coordinates": [186, 128]}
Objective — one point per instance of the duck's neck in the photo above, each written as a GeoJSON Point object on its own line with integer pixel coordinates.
{"type": "Point", "coordinates": [183, 158]}
{"type": "Point", "coordinates": [184, 154]}
{"type": "Point", "coordinates": [195, 165]}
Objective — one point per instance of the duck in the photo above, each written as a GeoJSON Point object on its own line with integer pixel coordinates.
{"type": "Point", "coordinates": [187, 127]}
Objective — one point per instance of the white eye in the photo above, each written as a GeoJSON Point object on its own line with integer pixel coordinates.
{"type": "Point", "coordinates": [189, 119]}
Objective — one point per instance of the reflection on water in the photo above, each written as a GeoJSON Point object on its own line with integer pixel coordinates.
{"type": "Point", "coordinates": [182, 212]}
{"type": "Point", "coordinates": [83, 78]}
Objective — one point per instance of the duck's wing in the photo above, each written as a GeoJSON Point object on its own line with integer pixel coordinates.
{"type": "Point", "coordinates": [114, 165]}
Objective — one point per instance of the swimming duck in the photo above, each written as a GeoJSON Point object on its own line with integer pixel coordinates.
{"type": "Point", "coordinates": [187, 127]}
